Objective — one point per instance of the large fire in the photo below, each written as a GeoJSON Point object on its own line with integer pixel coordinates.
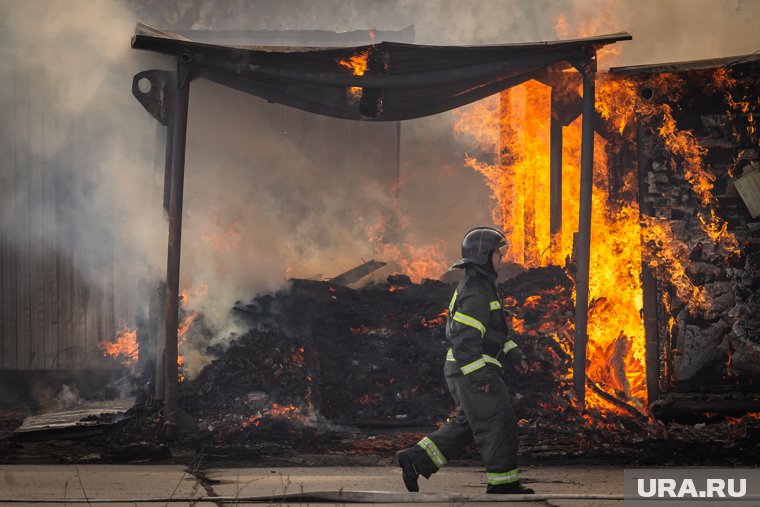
{"type": "Point", "coordinates": [519, 181]}
{"type": "Point", "coordinates": [512, 134]}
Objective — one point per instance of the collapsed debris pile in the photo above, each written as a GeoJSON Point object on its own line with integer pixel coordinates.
{"type": "Point", "coordinates": [373, 357]}
{"type": "Point", "coordinates": [322, 361]}
{"type": "Point", "coordinates": [353, 373]}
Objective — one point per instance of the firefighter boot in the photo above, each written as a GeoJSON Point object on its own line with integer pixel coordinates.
{"type": "Point", "coordinates": [408, 472]}
{"type": "Point", "coordinates": [513, 488]}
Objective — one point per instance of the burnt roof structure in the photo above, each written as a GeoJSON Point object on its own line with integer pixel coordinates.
{"type": "Point", "coordinates": [705, 64]}
{"type": "Point", "coordinates": [400, 81]}
{"type": "Point", "coordinates": [387, 81]}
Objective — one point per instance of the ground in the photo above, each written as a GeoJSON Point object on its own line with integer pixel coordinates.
{"type": "Point", "coordinates": [130, 483]}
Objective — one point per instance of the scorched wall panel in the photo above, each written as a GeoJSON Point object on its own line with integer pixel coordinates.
{"type": "Point", "coordinates": [44, 298]}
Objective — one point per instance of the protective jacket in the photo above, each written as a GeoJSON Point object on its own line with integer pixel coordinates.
{"type": "Point", "coordinates": [476, 328]}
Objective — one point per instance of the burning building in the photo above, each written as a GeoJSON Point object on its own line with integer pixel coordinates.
{"type": "Point", "coordinates": [696, 151]}
{"type": "Point", "coordinates": [651, 306]}
{"type": "Point", "coordinates": [378, 83]}
{"type": "Point", "coordinates": [675, 159]}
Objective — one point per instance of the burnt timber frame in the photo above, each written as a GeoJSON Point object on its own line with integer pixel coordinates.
{"type": "Point", "coordinates": [167, 99]}
{"type": "Point", "coordinates": [562, 115]}
{"type": "Point", "coordinates": [666, 399]}
{"type": "Point", "coordinates": [648, 283]}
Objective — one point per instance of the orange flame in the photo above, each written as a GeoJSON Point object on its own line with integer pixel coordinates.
{"type": "Point", "coordinates": [369, 399]}
{"type": "Point", "coordinates": [190, 296]}
{"type": "Point", "coordinates": [277, 411]}
{"type": "Point", "coordinates": [254, 420]}
{"type": "Point", "coordinates": [512, 130]}
{"type": "Point", "coordinates": [223, 238]}
{"type": "Point", "coordinates": [669, 257]}
{"type": "Point", "coordinates": [185, 325]}
{"type": "Point", "coordinates": [181, 371]}
{"type": "Point", "coordinates": [619, 101]}
{"type": "Point", "coordinates": [124, 347]}
{"type": "Point", "coordinates": [418, 262]}
{"type": "Point", "coordinates": [439, 321]}
{"type": "Point", "coordinates": [358, 64]}
{"type": "Point", "coordinates": [519, 181]}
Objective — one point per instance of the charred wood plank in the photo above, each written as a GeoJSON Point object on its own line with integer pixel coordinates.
{"type": "Point", "coordinates": [633, 411]}
{"type": "Point", "coordinates": [357, 273]}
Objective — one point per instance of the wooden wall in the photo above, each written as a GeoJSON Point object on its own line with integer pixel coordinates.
{"type": "Point", "coordinates": [51, 315]}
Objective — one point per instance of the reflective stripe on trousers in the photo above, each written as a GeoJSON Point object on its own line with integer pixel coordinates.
{"type": "Point", "coordinates": [435, 455]}
{"type": "Point", "coordinates": [502, 477]}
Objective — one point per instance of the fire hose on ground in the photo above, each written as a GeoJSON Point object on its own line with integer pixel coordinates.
{"type": "Point", "coordinates": [359, 497]}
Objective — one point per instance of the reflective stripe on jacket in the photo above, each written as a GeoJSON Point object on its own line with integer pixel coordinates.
{"type": "Point", "coordinates": [476, 328]}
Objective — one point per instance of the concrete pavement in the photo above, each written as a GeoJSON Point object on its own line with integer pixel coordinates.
{"type": "Point", "coordinates": [137, 483]}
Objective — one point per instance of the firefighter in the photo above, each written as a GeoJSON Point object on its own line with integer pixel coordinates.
{"type": "Point", "coordinates": [476, 329]}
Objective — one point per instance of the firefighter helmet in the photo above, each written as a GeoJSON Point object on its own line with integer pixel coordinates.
{"type": "Point", "coordinates": [478, 244]}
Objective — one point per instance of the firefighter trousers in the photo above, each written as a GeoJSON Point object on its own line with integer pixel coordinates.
{"type": "Point", "coordinates": [485, 418]}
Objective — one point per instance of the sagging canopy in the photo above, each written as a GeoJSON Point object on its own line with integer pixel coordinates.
{"type": "Point", "coordinates": [400, 81]}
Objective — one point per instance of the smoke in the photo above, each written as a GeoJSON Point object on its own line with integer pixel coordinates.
{"type": "Point", "coordinates": [663, 31]}
{"type": "Point", "coordinates": [272, 193]}
{"type": "Point", "coordinates": [82, 160]}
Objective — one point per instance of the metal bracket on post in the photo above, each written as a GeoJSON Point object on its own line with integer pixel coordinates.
{"type": "Point", "coordinates": [154, 89]}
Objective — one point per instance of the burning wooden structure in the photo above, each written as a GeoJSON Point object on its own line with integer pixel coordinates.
{"type": "Point", "coordinates": [672, 142]}
{"type": "Point", "coordinates": [381, 82]}
{"type": "Point", "coordinates": [696, 148]}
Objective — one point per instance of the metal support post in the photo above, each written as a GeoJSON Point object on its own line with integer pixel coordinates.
{"type": "Point", "coordinates": [171, 407]}
{"type": "Point", "coordinates": [588, 70]}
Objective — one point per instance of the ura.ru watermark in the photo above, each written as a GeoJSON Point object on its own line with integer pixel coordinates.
{"type": "Point", "coordinates": [691, 486]}
{"type": "Point", "coordinates": [687, 488]}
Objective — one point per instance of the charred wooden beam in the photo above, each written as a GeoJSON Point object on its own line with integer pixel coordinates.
{"type": "Point", "coordinates": [156, 91]}
{"type": "Point", "coordinates": [675, 408]}
{"type": "Point", "coordinates": [567, 103]}
{"type": "Point", "coordinates": [633, 411]}
{"type": "Point", "coordinates": [357, 273]}
{"type": "Point", "coordinates": [649, 285]}
{"type": "Point", "coordinates": [588, 70]}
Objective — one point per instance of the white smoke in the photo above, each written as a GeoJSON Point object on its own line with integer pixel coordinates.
{"type": "Point", "coordinates": [261, 203]}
